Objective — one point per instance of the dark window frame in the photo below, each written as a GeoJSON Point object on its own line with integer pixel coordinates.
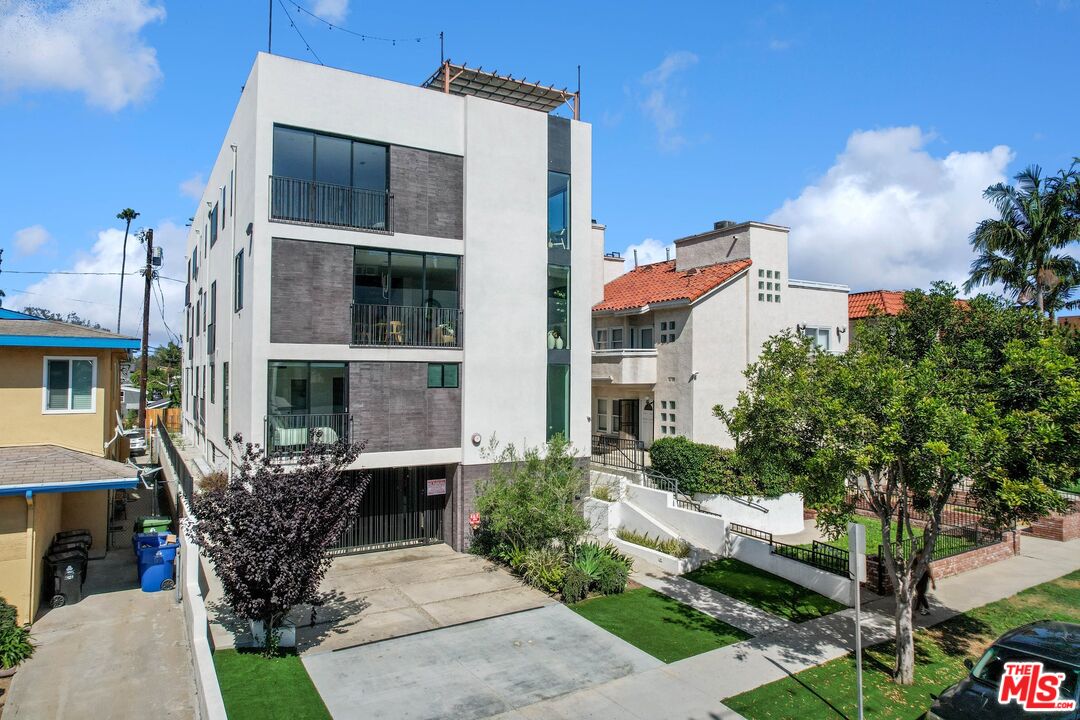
{"type": "Point", "coordinates": [351, 138]}
{"type": "Point", "coordinates": [441, 383]}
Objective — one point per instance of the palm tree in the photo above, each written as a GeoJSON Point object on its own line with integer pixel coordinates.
{"type": "Point", "coordinates": [126, 214]}
{"type": "Point", "coordinates": [1021, 249]}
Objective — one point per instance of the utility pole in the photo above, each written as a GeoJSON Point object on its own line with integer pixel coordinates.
{"type": "Point", "coordinates": [129, 215]}
{"type": "Point", "coordinates": [148, 273]}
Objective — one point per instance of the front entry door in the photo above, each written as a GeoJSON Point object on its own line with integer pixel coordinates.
{"type": "Point", "coordinates": [397, 511]}
{"type": "Point", "coordinates": [628, 419]}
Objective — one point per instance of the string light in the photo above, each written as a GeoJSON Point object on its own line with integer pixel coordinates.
{"type": "Point", "coordinates": [362, 36]}
{"type": "Point", "coordinates": [302, 38]}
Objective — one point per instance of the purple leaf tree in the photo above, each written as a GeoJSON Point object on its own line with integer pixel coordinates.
{"type": "Point", "coordinates": [268, 530]}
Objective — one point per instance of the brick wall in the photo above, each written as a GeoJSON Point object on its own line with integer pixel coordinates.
{"type": "Point", "coordinates": [1058, 526]}
{"type": "Point", "coordinates": [946, 567]}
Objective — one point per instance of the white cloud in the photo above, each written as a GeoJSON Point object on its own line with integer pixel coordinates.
{"type": "Point", "coordinates": [648, 251]}
{"type": "Point", "coordinates": [193, 187]}
{"type": "Point", "coordinates": [88, 46]}
{"type": "Point", "coordinates": [331, 10]}
{"type": "Point", "coordinates": [888, 214]}
{"type": "Point", "coordinates": [94, 297]}
{"type": "Point", "coordinates": [30, 239]}
{"type": "Point", "coordinates": [661, 103]}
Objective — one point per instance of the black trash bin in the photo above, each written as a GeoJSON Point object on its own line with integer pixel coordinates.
{"type": "Point", "coordinates": [66, 535]}
{"type": "Point", "coordinates": [64, 573]}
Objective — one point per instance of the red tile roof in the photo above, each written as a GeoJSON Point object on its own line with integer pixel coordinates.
{"type": "Point", "coordinates": [865, 304]}
{"type": "Point", "coordinates": [661, 282]}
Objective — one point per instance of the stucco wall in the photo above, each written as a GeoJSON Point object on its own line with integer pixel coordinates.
{"type": "Point", "coordinates": [760, 555]}
{"type": "Point", "coordinates": [784, 516]}
{"type": "Point", "coordinates": [47, 516]}
{"type": "Point", "coordinates": [21, 393]}
{"type": "Point", "coordinates": [88, 511]}
{"type": "Point", "coordinates": [14, 555]}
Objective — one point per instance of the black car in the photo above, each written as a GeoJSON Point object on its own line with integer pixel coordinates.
{"type": "Point", "coordinates": [1055, 644]}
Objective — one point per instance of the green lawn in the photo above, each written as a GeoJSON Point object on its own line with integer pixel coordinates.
{"type": "Point", "coordinates": [661, 626]}
{"type": "Point", "coordinates": [278, 689]}
{"type": "Point", "coordinates": [828, 691]}
{"type": "Point", "coordinates": [763, 590]}
{"type": "Point", "coordinates": [873, 535]}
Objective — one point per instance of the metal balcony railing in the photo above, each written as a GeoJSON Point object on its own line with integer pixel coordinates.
{"type": "Point", "coordinates": [404, 326]}
{"type": "Point", "coordinates": [293, 434]}
{"type": "Point", "coordinates": [318, 203]}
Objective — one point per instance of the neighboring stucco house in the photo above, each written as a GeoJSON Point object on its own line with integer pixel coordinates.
{"type": "Point", "coordinates": [671, 339]}
{"type": "Point", "coordinates": [59, 451]}
{"type": "Point", "coordinates": [406, 266]}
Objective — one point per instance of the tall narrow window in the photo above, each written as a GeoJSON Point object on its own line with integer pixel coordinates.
{"type": "Point", "coordinates": [558, 210]}
{"type": "Point", "coordinates": [214, 224]}
{"type": "Point", "coordinates": [225, 400]}
{"type": "Point", "coordinates": [558, 337]}
{"type": "Point", "coordinates": [213, 372]}
{"type": "Point", "coordinates": [558, 401]}
{"type": "Point", "coordinates": [601, 414]}
{"type": "Point", "coordinates": [211, 330]}
{"type": "Point", "coordinates": [238, 282]}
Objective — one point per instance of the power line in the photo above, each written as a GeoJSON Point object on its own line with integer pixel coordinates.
{"type": "Point", "coordinates": [293, 24]}
{"type": "Point", "coordinates": [362, 36]}
{"type": "Point", "coordinates": [28, 292]}
{"type": "Point", "coordinates": [67, 272]}
{"type": "Point", "coordinates": [160, 297]}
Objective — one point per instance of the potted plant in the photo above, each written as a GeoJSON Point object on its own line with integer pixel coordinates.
{"type": "Point", "coordinates": [15, 644]}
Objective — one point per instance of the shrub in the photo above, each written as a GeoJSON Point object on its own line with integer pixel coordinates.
{"type": "Point", "coordinates": [15, 644]}
{"type": "Point", "coordinates": [675, 547]}
{"type": "Point", "coordinates": [544, 568]}
{"type": "Point", "coordinates": [531, 501]}
{"type": "Point", "coordinates": [587, 559]}
{"type": "Point", "coordinates": [603, 492]}
{"type": "Point", "coordinates": [613, 574]}
{"type": "Point", "coordinates": [215, 481]}
{"type": "Point", "coordinates": [702, 468]}
{"type": "Point", "coordinates": [575, 585]}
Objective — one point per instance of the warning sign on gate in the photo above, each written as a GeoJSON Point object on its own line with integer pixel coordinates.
{"type": "Point", "coordinates": [436, 486]}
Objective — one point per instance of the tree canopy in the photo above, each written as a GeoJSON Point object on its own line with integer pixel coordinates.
{"type": "Point", "coordinates": [945, 395]}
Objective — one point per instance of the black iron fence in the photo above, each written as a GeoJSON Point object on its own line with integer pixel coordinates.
{"type": "Point", "coordinates": [824, 557]}
{"type": "Point", "coordinates": [319, 203]}
{"type": "Point", "coordinates": [293, 434]}
{"type": "Point", "coordinates": [618, 452]}
{"type": "Point", "coordinates": [406, 326]}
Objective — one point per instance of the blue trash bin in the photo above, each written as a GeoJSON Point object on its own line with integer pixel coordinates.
{"type": "Point", "coordinates": [156, 561]}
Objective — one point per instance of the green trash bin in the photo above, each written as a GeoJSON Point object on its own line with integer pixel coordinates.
{"type": "Point", "coordinates": [152, 523]}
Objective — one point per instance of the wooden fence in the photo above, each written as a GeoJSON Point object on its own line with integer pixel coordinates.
{"type": "Point", "coordinates": [169, 417]}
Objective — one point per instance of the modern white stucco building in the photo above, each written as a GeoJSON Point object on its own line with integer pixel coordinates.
{"type": "Point", "coordinates": [671, 339]}
{"type": "Point", "coordinates": [408, 266]}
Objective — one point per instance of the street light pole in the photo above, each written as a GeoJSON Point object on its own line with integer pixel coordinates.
{"type": "Point", "coordinates": [857, 570]}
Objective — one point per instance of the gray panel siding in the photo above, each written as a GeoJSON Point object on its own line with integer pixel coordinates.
{"type": "Point", "coordinates": [558, 144]}
{"type": "Point", "coordinates": [393, 408]}
{"type": "Point", "coordinates": [311, 289]}
{"type": "Point", "coordinates": [429, 192]}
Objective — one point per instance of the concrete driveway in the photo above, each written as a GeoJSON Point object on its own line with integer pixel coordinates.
{"type": "Point", "coordinates": [376, 596]}
{"type": "Point", "coordinates": [474, 670]}
{"type": "Point", "coordinates": [119, 653]}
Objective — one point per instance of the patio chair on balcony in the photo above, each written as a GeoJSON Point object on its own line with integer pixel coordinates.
{"type": "Point", "coordinates": [395, 332]}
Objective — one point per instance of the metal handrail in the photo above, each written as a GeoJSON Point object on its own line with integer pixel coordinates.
{"type": "Point", "coordinates": [319, 203]}
{"type": "Point", "coordinates": [612, 450]}
{"type": "Point", "coordinates": [406, 326]}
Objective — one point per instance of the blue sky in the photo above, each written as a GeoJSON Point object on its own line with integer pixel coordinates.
{"type": "Point", "coordinates": [869, 128]}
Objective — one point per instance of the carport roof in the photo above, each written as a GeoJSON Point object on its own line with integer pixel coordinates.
{"type": "Point", "coordinates": [50, 468]}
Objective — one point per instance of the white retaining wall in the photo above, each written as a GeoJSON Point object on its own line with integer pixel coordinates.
{"type": "Point", "coordinates": [760, 555]}
{"type": "Point", "coordinates": [785, 515]}
{"type": "Point", "coordinates": [702, 531]}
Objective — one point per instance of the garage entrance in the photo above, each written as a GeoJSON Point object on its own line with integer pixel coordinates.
{"type": "Point", "coordinates": [402, 507]}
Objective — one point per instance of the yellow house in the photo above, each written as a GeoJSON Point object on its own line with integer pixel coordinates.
{"type": "Point", "coordinates": [59, 452]}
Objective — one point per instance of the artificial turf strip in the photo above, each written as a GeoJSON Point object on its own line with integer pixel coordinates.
{"type": "Point", "coordinates": [275, 689]}
{"type": "Point", "coordinates": [763, 590]}
{"type": "Point", "coordinates": [661, 626]}
{"type": "Point", "coordinates": [828, 690]}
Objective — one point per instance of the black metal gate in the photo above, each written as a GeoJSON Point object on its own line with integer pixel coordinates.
{"type": "Point", "coordinates": [397, 511]}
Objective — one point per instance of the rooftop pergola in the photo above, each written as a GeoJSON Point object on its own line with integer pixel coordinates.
{"type": "Point", "coordinates": [461, 80]}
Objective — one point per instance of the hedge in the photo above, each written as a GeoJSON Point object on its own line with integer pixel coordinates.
{"type": "Point", "coordinates": [708, 469]}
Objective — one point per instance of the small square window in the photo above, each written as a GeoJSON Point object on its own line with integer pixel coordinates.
{"type": "Point", "coordinates": [663, 325]}
{"type": "Point", "coordinates": [768, 286]}
{"type": "Point", "coordinates": [663, 403]}
{"type": "Point", "coordinates": [777, 275]}
{"type": "Point", "coordinates": [777, 298]}
{"type": "Point", "coordinates": [663, 429]}
{"type": "Point", "coordinates": [671, 417]}
{"type": "Point", "coordinates": [768, 273]}
{"type": "Point", "coordinates": [768, 298]}
{"type": "Point", "coordinates": [761, 297]}
{"type": "Point", "coordinates": [760, 285]}
{"type": "Point", "coordinates": [442, 375]}
{"type": "Point", "coordinates": [672, 405]}
{"type": "Point", "coordinates": [663, 417]}
{"type": "Point", "coordinates": [761, 273]}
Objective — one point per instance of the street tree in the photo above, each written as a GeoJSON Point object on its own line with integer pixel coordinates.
{"type": "Point", "coordinates": [944, 396]}
{"type": "Point", "coordinates": [268, 530]}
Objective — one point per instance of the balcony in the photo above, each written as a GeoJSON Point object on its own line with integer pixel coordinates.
{"type": "Point", "coordinates": [624, 367]}
{"type": "Point", "coordinates": [404, 326]}
{"type": "Point", "coordinates": [290, 435]}
{"type": "Point", "coordinates": [316, 203]}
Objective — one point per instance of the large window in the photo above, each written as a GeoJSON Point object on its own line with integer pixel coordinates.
{"type": "Point", "coordinates": [69, 385]}
{"type": "Point", "coordinates": [325, 179]}
{"type": "Point", "coordinates": [381, 277]}
{"type": "Point", "coordinates": [558, 210]}
{"type": "Point", "coordinates": [558, 294]}
{"type": "Point", "coordinates": [558, 401]}
{"type": "Point", "coordinates": [307, 388]}
{"type": "Point", "coordinates": [601, 414]}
